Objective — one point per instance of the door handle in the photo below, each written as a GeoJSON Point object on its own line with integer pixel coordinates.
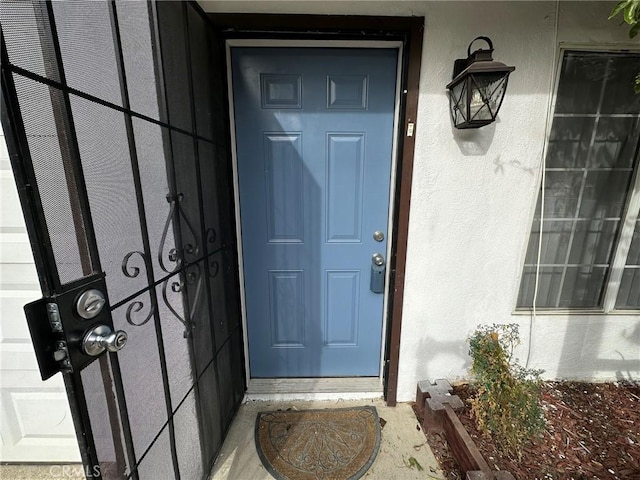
{"type": "Point", "coordinates": [101, 338]}
{"type": "Point", "coordinates": [378, 269]}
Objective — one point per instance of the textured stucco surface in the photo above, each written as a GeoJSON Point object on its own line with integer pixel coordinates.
{"type": "Point", "coordinates": [473, 192]}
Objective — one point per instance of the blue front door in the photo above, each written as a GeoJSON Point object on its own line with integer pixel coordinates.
{"type": "Point", "coordinates": [314, 130]}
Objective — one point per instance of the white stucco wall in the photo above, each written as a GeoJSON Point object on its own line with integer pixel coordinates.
{"type": "Point", "coordinates": [473, 192]}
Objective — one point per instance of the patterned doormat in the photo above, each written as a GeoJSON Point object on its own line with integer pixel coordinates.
{"type": "Point", "coordinates": [331, 444]}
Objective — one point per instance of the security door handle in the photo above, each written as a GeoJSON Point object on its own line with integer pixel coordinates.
{"type": "Point", "coordinates": [101, 338]}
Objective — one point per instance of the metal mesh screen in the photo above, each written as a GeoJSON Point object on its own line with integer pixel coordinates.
{"type": "Point", "coordinates": [20, 22]}
{"type": "Point", "coordinates": [107, 434]}
{"type": "Point", "coordinates": [175, 63]}
{"type": "Point", "coordinates": [157, 461]}
{"type": "Point", "coordinates": [137, 53]}
{"type": "Point", "coordinates": [152, 205]}
{"type": "Point", "coordinates": [224, 184]}
{"type": "Point", "coordinates": [102, 141]}
{"type": "Point", "coordinates": [176, 346]}
{"type": "Point", "coordinates": [51, 173]}
{"type": "Point", "coordinates": [141, 371]}
{"type": "Point", "coordinates": [200, 46]}
{"type": "Point", "coordinates": [218, 268]}
{"type": "Point", "coordinates": [212, 429]}
{"type": "Point", "coordinates": [197, 294]}
{"type": "Point", "coordinates": [87, 48]}
{"type": "Point", "coordinates": [188, 438]}
{"type": "Point", "coordinates": [187, 184]}
{"type": "Point", "coordinates": [211, 205]}
{"type": "Point", "coordinates": [230, 370]}
{"type": "Point", "coordinates": [149, 140]}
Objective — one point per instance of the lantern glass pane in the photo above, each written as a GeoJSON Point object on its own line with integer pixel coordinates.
{"type": "Point", "coordinates": [458, 100]}
{"type": "Point", "coordinates": [488, 90]}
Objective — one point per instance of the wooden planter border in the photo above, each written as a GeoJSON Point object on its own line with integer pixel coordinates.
{"type": "Point", "coordinates": [437, 405]}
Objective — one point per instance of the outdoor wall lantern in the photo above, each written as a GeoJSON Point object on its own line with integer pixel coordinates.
{"type": "Point", "coordinates": [478, 87]}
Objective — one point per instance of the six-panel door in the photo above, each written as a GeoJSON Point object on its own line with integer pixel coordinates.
{"type": "Point", "coordinates": [314, 131]}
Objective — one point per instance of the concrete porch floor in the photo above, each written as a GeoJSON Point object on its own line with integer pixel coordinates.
{"type": "Point", "coordinates": [401, 439]}
{"type": "Point", "coordinates": [238, 459]}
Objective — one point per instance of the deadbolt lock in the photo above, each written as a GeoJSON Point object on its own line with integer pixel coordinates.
{"type": "Point", "coordinates": [90, 303]}
{"type": "Point", "coordinates": [377, 273]}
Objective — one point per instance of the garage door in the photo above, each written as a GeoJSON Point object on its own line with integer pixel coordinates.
{"type": "Point", "coordinates": [35, 422]}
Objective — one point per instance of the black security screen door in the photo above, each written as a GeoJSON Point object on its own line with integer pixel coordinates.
{"type": "Point", "coordinates": [115, 119]}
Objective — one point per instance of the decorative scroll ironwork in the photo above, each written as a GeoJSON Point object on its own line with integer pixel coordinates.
{"type": "Point", "coordinates": [214, 268]}
{"type": "Point", "coordinates": [211, 235]}
{"type": "Point", "coordinates": [128, 271]}
{"type": "Point", "coordinates": [134, 308]}
{"type": "Point", "coordinates": [176, 287]}
{"type": "Point", "coordinates": [189, 273]}
{"type": "Point", "coordinates": [189, 249]}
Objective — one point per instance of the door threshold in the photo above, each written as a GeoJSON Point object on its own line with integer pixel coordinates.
{"type": "Point", "coordinates": [347, 388]}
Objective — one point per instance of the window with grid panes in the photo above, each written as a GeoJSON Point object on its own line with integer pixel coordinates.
{"type": "Point", "coordinates": [590, 252]}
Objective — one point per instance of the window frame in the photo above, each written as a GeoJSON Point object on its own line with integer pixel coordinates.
{"type": "Point", "coordinates": [630, 213]}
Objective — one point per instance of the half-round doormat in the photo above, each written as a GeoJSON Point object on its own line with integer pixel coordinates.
{"type": "Point", "coordinates": [331, 444]}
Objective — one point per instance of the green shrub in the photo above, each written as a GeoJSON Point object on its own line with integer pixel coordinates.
{"type": "Point", "coordinates": [507, 400]}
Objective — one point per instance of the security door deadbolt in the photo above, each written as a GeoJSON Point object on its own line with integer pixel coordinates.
{"type": "Point", "coordinates": [101, 338]}
{"type": "Point", "coordinates": [378, 236]}
{"type": "Point", "coordinates": [90, 303]}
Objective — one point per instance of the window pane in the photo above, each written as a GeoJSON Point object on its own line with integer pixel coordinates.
{"type": "Point", "coordinates": [629, 293]}
{"type": "Point", "coordinates": [582, 287]}
{"type": "Point", "coordinates": [569, 142]}
{"type": "Point", "coordinates": [548, 286]}
{"type": "Point", "coordinates": [604, 194]}
{"type": "Point", "coordinates": [555, 242]}
{"type": "Point", "coordinates": [581, 82]}
{"type": "Point", "coordinates": [593, 242]}
{"type": "Point", "coordinates": [562, 192]}
{"type": "Point", "coordinates": [619, 96]}
{"type": "Point", "coordinates": [615, 143]}
{"type": "Point", "coordinates": [593, 146]}
{"type": "Point", "coordinates": [633, 258]}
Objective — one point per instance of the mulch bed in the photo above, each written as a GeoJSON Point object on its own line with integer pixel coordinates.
{"type": "Point", "coordinates": [593, 432]}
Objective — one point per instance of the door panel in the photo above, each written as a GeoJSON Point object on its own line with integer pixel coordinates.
{"type": "Point", "coordinates": [314, 131]}
{"type": "Point", "coordinates": [113, 143]}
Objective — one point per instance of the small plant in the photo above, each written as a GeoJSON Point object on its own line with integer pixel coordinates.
{"type": "Point", "coordinates": [507, 400]}
{"type": "Point", "coordinates": [630, 10]}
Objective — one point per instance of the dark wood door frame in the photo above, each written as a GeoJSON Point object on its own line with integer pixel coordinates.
{"type": "Point", "coordinates": [409, 30]}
